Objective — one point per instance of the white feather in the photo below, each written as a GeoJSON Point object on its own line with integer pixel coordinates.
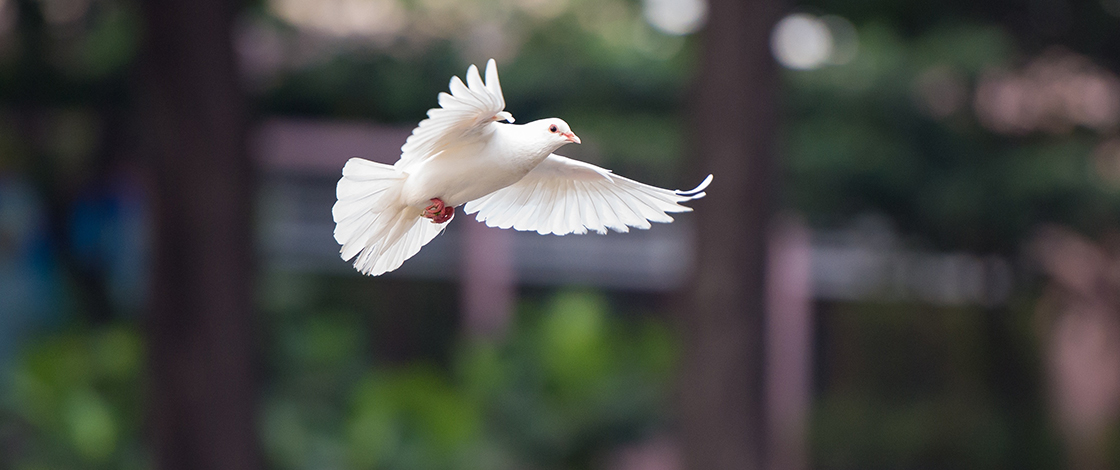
{"type": "Point", "coordinates": [370, 222]}
{"type": "Point", "coordinates": [594, 199]}
{"type": "Point", "coordinates": [462, 114]}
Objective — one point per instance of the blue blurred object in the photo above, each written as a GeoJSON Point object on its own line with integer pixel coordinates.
{"type": "Point", "coordinates": [107, 236]}
{"type": "Point", "coordinates": [29, 287]}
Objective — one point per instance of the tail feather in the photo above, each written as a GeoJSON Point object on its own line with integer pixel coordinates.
{"type": "Point", "coordinates": [371, 224]}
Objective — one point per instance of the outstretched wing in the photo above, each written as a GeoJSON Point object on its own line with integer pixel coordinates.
{"type": "Point", "coordinates": [462, 116]}
{"type": "Point", "coordinates": [562, 196]}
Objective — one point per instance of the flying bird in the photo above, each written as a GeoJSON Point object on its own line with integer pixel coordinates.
{"type": "Point", "coordinates": [469, 151]}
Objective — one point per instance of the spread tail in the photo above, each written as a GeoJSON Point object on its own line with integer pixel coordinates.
{"type": "Point", "coordinates": [371, 223]}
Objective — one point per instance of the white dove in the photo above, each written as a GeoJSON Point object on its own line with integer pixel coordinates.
{"type": "Point", "coordinates": [463, 154]}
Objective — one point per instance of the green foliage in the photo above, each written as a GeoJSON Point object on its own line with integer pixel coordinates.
{"type": "Point", "coordinates": [567, 382]}
{"type": "Point", "coordinates": [572, 381]}
{"type": "Point", "coordinates": [79, 393]}
{"type": "Point", "coordinates": [411, 418]}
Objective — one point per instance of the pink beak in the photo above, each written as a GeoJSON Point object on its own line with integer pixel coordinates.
{"type": "Point", "coordinates": [571, 136]}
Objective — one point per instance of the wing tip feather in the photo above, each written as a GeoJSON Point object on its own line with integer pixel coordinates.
{"type": "Point", "coordinates": [698, 191]}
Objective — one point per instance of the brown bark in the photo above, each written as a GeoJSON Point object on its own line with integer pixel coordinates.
{"type": "Point", "coordinates": [200, 326]}
{"type": "Point", "coordinates": [736, 126]}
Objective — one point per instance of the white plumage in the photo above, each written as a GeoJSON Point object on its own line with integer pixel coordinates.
{"type": "Point", "coordinates": [463, 154]}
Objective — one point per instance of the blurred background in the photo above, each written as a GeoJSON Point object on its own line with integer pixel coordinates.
{"type": "Point", "coordinates": [909, 257]}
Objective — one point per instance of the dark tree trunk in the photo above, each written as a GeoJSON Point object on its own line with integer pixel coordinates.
{"type": "Point", "coordinates": [200, 328]}
{"type": "Point", "coordinates": [735, 135]}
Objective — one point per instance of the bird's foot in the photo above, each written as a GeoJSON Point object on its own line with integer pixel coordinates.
{"type": "Point", "coordinates": [444, 215]}
{"type": "Point", "coordinates": [438, 211]}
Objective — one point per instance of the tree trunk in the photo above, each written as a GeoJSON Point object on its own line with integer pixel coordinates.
{"type": "Point", "coordinates": [735, 133]}
{"type": "Point", "coordinates": [200, 327]}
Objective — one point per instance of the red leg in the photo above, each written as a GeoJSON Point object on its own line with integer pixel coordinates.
{"type": "Point", "coordinates": [439, 212]}
{"type": "Point", "coordinates": [433, 210]}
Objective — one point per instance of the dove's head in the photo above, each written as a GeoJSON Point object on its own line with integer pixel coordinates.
{"type": "Point", "coordinates": [555, 130]}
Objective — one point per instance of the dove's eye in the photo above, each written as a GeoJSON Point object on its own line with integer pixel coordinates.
{"type": "Point", "coordinates": [552, 128]}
